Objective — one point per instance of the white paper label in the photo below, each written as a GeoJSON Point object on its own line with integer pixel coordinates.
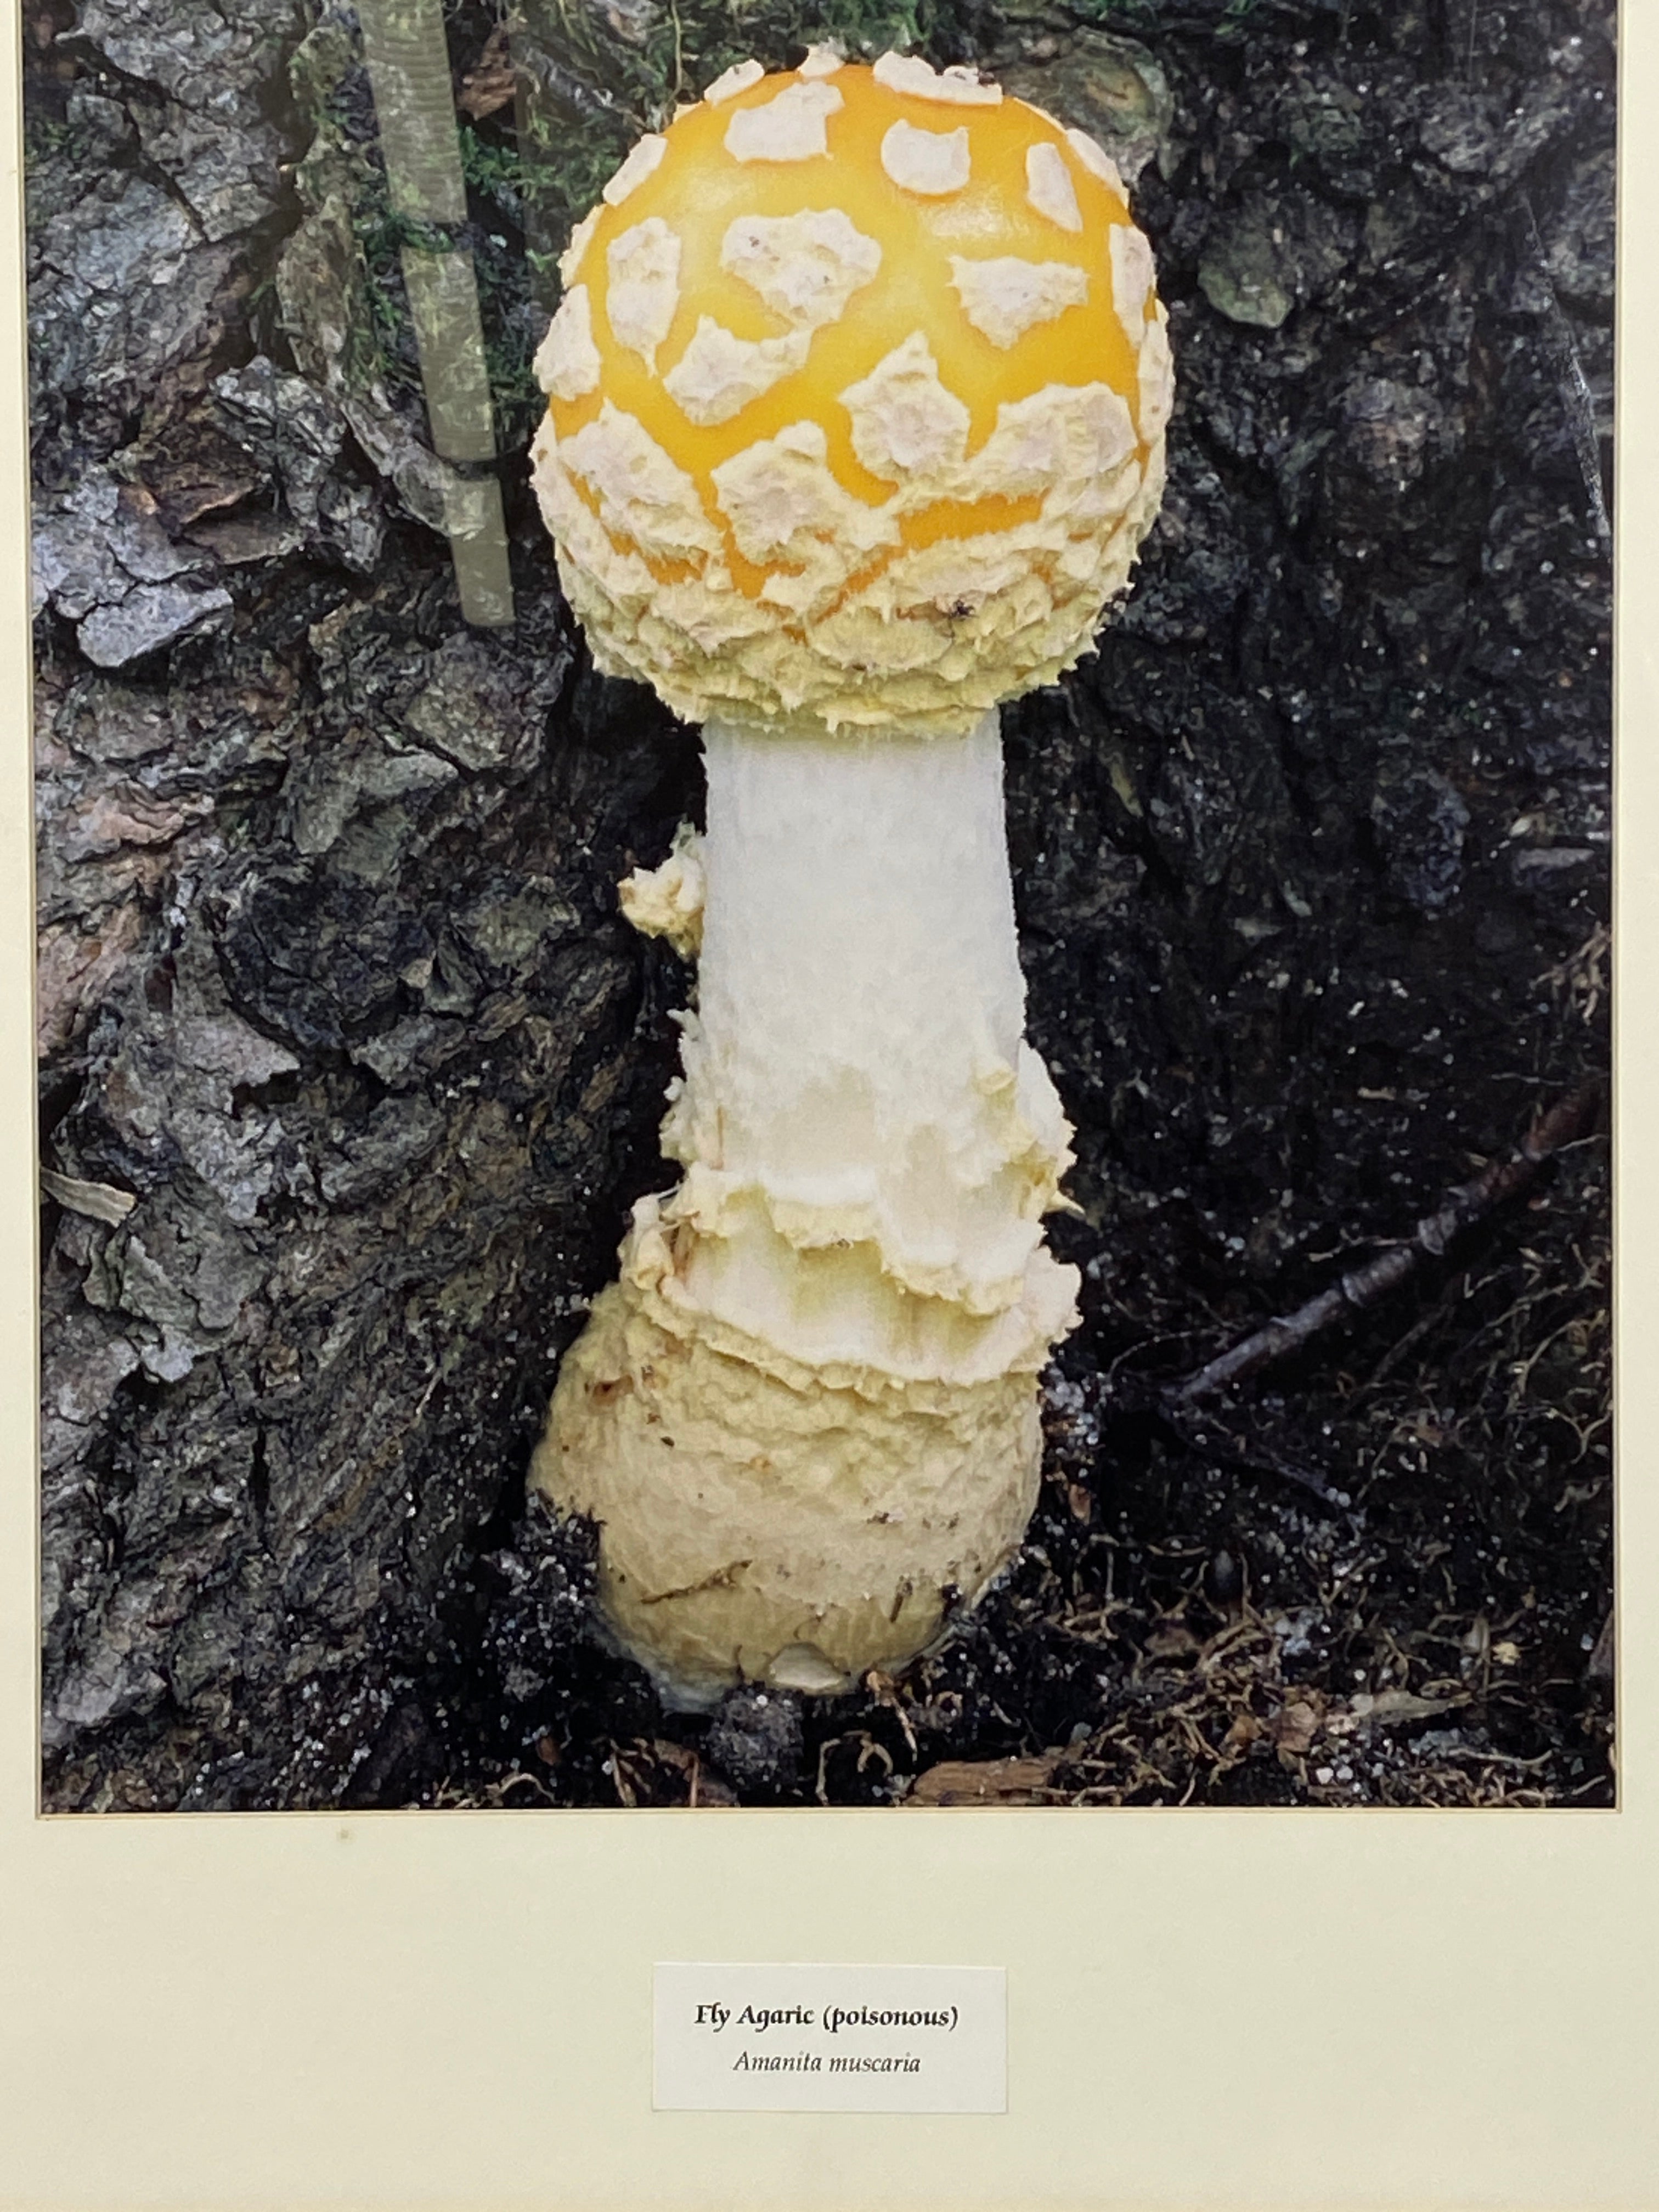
{"type": "Point", "coordinates": [730, 2038]}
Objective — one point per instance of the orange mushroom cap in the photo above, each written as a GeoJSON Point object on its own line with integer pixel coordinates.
{"type": "Point", "coordinates": [857, 397]}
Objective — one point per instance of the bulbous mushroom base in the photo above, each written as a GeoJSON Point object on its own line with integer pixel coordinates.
{"type": "Point", "coordinates": [762, 1522]}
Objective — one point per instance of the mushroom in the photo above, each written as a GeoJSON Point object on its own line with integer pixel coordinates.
{"type": "Point", "coordinates": [857, 400]}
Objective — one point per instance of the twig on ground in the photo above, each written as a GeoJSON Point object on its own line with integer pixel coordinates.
{"type": "Point", "coordinates": [1362, 1287]}
{"type": "Point", "coordinates": [1577, 400]}
{"type": "Point", "coordinates": [1247, 1456]}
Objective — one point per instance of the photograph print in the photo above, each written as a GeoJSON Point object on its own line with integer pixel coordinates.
{"type": "Point", "coordinates": [823, 838]}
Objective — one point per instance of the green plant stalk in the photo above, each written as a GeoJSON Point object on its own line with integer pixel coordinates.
{"type": "Point", "coordinates": [408, 59]}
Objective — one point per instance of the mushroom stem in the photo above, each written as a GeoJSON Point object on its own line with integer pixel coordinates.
{"type": "Point", "coordinates": [836, 1321]}
{"type": "Point", "coordinates": [862, 1125]}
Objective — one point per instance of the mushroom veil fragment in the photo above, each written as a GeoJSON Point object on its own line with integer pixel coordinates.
{"type": "Point", "coordinates": [857, 397]}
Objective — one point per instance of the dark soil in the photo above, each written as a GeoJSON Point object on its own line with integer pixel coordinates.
{"type": "Point", "coordinates": [351, 1069]}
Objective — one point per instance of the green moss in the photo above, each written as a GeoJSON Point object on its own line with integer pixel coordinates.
{"type": "Point", "coordinates": [490, 165]}
{"type": "Point", "coordinates": [1120, 14]}
{"type": "Point", "coordinates": [1153, 18]}
{"type": "Point", "coordinates": [44, 135]}
{"type": "Point", "coordinates": [1234, 17]}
